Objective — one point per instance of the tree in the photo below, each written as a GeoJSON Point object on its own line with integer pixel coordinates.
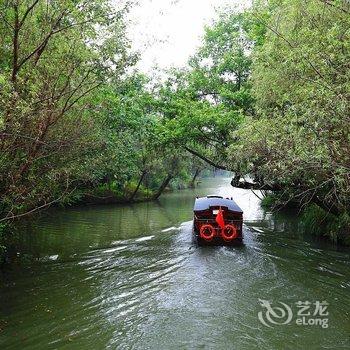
{"type": "Point", "coordinates": [299, 141]}
{"type": "Point", "coordinates": [54, 56]}
{"type": "Point", "coordinates": [204, 104]}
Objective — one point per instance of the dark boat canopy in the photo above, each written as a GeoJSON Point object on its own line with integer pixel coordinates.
{"type": "Point", "coordinates": [204, 203]}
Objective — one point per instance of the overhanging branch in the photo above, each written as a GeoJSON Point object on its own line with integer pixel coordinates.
{"type": "Point", "coordinates": [247, 185]}
{"type": "Point", "coordinates": [210, 162]}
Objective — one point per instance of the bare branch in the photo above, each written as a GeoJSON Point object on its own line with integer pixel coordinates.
{"type": "Point", "coordinates": [29, 9]}
{"type": "Point", "coordinates": [331, 3]}
{"type": "Point", "coordinates": [45, 205]}
{"type": "Point", "coordinates": [41, 47]}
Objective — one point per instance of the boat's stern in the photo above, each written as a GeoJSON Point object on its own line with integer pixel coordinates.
{"type": "Point", "coordinates": [217, 221]}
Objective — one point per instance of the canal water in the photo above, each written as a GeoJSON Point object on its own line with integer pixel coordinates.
{"type": "Point", "coordinates": [129, 277]}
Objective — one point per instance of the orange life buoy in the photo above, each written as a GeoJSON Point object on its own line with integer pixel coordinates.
{"type": "Point", "coordinates": [207, 232]}
{"type": "Point", "coordinates": [229, 232]}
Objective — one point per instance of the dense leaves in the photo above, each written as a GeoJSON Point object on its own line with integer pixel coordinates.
{"type": "Point", "coordinates": [267, 96]}
{"type": "Point", "coordinates": [300, 139]}
{"type": "Point", "coordinates": [73, 118]}
{"type": "Point", "coordinates": [202, 105]}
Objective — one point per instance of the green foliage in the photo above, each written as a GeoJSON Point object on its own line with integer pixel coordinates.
{"type": "Point", "coordinates": [54, 58]}
{"type": "Point", "coordinates": [318, 222]}
{"type": "Point", "coordinates": [266, 95]}
{"type": "Point", "coordinates": [269, 201]}
{"type": "Point", "coordinates": [298, 141]}
{"type": "Point", "coordinates": [72, 119]}
{"type": "Point", "coordinates": [143, 192]}
{"type": "Point", "coordinates": [203, 105]}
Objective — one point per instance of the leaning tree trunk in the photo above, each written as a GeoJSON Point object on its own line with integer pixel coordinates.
{"type": "Point", "coordinates": [162, 187]}
{"type": "Point", "coordinates": [138, 185]}
{"type": "Point", "coordinates": [193, 181]}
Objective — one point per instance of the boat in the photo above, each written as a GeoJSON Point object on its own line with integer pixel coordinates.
{"type": "Point", "coordinates": [217, 221]}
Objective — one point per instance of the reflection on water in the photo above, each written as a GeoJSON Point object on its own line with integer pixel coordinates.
{"type": "Point", "coordinates": [128, 277]}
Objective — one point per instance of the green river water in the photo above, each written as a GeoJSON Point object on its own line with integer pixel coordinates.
{"type": "Point", "coordinates": [129, 277]}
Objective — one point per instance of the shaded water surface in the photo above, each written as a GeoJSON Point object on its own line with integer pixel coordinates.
{"type": "Point", "coordinates": [129, 277]}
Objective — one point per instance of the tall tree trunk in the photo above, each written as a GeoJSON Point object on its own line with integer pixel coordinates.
{"type": "Point", "coordinates": [162, 187]}
{"type": "Point", "coordinates": [138, 185]}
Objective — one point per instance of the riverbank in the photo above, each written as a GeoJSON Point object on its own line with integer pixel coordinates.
{"type": "Point", "coordinates": [110, 276]}
{"type": "Point", "coordinates": [314, 220]}
{"type": "Point", "coordinates": [108, 194]}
